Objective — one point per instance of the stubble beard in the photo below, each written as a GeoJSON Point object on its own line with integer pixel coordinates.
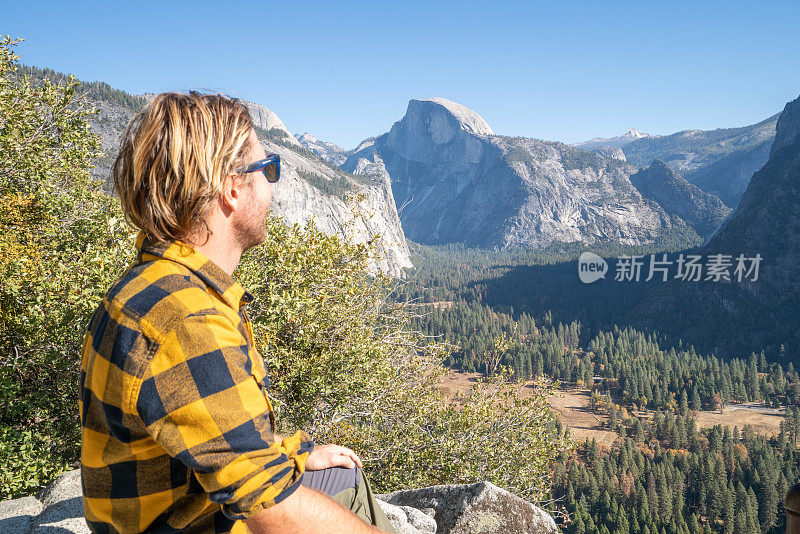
{"type": "Point", "coordinates": [252, 230]}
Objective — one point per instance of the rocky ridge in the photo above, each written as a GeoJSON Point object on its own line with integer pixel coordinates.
{"type": "Point", "coordinates": [720, 162]}
{"type": "Point", "coordinates": [265, 119]}
{"type": "Point", "coordinates": [767, 220]}
{"type": "Point", "coordinates": [310, 188]}
{"type": "Point", "coordinates": [602, 143]}
{"type": "Point", "coordinates": [611, 152]}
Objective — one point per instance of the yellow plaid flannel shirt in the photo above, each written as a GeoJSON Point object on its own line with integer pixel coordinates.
{"type": "Point", "coordinates": [177, 430]}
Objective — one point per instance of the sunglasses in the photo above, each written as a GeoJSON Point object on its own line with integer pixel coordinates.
{"type": "Point", "coordinates": [271, 167]}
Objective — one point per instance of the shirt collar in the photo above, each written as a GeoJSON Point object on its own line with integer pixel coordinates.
{"type": "Point", "coordinates": [229, 289]}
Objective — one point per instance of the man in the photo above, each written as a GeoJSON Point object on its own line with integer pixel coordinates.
{"type": "Point", "coordinates": [177, 429]}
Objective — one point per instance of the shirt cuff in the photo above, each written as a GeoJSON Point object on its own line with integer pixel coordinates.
{"type": "Point", "coordinates": [280, 486]}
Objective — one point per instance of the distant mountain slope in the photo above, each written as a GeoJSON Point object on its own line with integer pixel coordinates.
{"type": "Point", "coordinates": [700, 210]}
{"type": "Point", "coordinates": [309, 187]}
{"type": "Point", "coordinates": [330, 152]}
{"type": "Point", "coordinates": [458, 182]}
{"type": "Point", "coordinates": [614, 142]}
{"type": "Point", "coordinates": [736, 317]}
{"type": "Point", "coordinates": [767, 220]}
{"type": "Point", "coordinates": [720, 161]}
{"type": "Point", "coordinates": [688, 150]}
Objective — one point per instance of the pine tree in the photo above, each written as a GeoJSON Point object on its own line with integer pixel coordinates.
{"type": "Point", "coordinates": [664, 496]}
{"type": "Point", "coordinates": [694, 527]}
{"type": "Point", "coordinates": [752, 507]}
{"type": "Point", "coordinates": [652, 496]}
{"type": "Point", "coordinates": [729, 510]}
{"type": "Point", "coordinates": [696, 404]}
{"type": "Point", "coordinates": [578, 527]}
{"type": "Point", "coordinates": [590, 525]}
{"type": "Point", "coordinates": [684, 403]}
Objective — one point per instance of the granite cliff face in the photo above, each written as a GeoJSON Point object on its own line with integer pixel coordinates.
{"type": "Point", "coordinates": [269, 124]}
{"type": "Point", "coordinates": [752, 314]}
{"type": "Point", "coordinates": [309, 186]}
{"type": "Point", "coordinates": [787, 128]}
{"type": "Point", "coordinates": [109, 123]}
{"type": "Point", "coordinates": [456, 181]}
{"type": "Point", "coordinates": [700, 210]}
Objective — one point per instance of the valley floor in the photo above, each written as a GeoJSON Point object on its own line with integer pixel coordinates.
{"type": "Point", "coordinates": [572, 405]}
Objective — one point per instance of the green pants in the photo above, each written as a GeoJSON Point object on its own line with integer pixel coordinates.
{"type": "Point", "coordinates": [362, 502]}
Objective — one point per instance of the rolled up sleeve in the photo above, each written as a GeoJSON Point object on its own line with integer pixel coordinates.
{"type": "Point", "coordinates": [201, 403]}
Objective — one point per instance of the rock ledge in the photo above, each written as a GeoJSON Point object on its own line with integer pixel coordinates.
{"type": "Point", "coordinates": [480, 508]}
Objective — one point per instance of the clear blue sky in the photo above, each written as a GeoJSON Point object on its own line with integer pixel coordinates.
{"type": "Point", "coordinates": [566, 71]}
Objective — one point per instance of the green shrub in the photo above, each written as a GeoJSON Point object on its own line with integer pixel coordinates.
{"type": "Point", "coordinates": [62, 243]}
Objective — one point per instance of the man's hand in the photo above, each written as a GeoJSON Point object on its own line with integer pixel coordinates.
{"type": "Point", "coordinates": [325, 456]}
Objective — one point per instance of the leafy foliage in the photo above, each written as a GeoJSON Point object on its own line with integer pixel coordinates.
{"type": "Point", "coordinates": [61, 245]}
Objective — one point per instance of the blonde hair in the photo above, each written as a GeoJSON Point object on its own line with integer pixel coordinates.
{"type": "Point", "coordinates": [173, 158]}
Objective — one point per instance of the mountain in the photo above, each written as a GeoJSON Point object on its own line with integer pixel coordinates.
{"type": "Point", "coordinates": [330, 152]}
{"type": "Point", "coordinates": [456, 181]}
{"type": "Point", "coordinates": [700, 210]}
{"type": "Point", "coordinates": [614, 142]}
{"type": "Point", "coordinates": [310, 187]}
{"type": "Point", "coordinates": [719, 161]}
{"type": "Point", "coordinates": [754, 314]}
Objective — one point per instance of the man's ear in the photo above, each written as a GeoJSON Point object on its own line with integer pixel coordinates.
{"type": "Point", "coordinates": [231, 194]}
